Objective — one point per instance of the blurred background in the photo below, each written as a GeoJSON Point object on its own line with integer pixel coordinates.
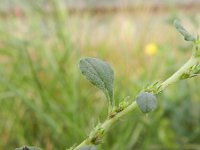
{"type": "Point", "coordinates": [44, 101]}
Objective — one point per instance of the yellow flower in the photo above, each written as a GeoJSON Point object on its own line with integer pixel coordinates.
{"type": "Point", "coordinates": [151, 49]}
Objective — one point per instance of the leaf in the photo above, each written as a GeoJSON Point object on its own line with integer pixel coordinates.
{"type": "Point", "coordinates": [100, 74]}
{"type": "Point", "coordinates": [187, 36]}
{"type": "Point", "coordinates": [88, 148]}
{"type": "Point", "coordinates": [28, 148]}
{"type": "Point", "coordinates": [146, 102]}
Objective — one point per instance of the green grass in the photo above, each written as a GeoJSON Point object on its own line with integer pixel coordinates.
{"type": "Point", "coordinates": [45, 102]}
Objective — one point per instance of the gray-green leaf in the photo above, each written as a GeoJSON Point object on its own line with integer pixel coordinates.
{"type": "Point", "coordinates": [187, 36]}
{"type": "Point", "coordinates": [146, 102]}
{"type": "Point", "coordinates": [88, 148]}
{"type": "Point", "coordinates": [28, 148]}
{"type": "Point", "coordinates": [100, 74]}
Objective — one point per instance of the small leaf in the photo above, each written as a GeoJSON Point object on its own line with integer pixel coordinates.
{"type": "Point", "coordinates": [100, 74]}
{"type": "Point", "coordinates": [88, 148]}
{"type": "Point", "coordinates": [146, 102]}
{"type": "Point", "coordinates": [187, 36]}
{"type": "Point", "coordinates": [28, 148]}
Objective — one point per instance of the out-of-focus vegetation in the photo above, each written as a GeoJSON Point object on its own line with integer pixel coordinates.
{"type": "Point", "coordinates": [44, 102]}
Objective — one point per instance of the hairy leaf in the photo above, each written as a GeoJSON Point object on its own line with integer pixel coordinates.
{"type": "Point", "coordinates": [146, 102]}
{"type": "Point", "coordinates": [100, 74]}
{"type": "Point", "coordinates": [28, 148]}
{"type": "Point", "coordinates": [187, 36]}
{"type": "Point", "coordinates": [88, 148]}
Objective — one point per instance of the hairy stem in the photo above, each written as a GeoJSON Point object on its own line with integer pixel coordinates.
{"type": "Point", "coordinates": [176, 76]}
{"type": "Point", "coordinates": [105, 126]}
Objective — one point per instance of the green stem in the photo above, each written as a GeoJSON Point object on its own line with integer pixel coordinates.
{"type": "Point", "coordinates": [111, 120]}
{"type": "Point", "coordinates": [108, 123]}
{"type": "Point", "coordinates": [176, 76]}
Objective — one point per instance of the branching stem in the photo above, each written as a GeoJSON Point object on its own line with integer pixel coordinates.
{"type": "Point", "coordinates": [105, 126]}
